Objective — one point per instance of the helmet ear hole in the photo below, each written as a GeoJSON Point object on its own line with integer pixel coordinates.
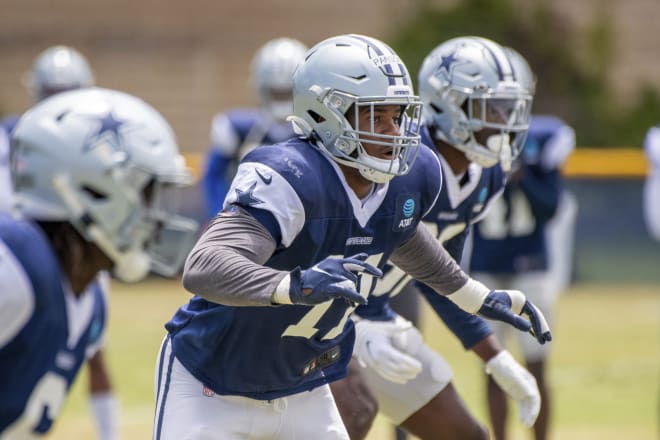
{"type": "Point", "coordinates": [315, 116]}
{"type": "Point", "coordinates": [344, 146]}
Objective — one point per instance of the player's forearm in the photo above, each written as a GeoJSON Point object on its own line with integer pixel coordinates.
{"type": "Point", "coordinates": [226, 264]}
{"type": "Point", "coordinates": [487, 348]}
{"type": "Point", "coordinates": [423, 258]}
{"type": "Point", "coordinates": [468, 328]}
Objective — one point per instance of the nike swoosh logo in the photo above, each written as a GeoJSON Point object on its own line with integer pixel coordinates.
{"type": "Point", "coordinates": [264, 179]}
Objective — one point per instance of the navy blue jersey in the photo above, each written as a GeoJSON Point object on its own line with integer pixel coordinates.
{"type": "Point", "coordinates": [511, 238]}
{"type": "Point", "coordinates": [45, 342]}
{"type": "Point", "coordinates": [462, 202]}
{"type": "Point", "coordinates": [302, 198]}
{"type": "Point", "coordinates": [234, 134]}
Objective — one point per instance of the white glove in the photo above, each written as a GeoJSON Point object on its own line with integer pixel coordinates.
{"type": "Point", "coordinates": [385, 346]}
{"type": "Point", "coordinates": [518, 383]}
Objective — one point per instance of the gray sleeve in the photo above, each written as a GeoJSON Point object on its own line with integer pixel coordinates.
{"type": "Point", "coordinates": [423, 258]}
{"type": "Point", "coordinates": [226, 264]}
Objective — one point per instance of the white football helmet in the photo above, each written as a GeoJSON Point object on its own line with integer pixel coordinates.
{"type": "Point", "coordinates": [272, 74]}
{"type": "Point", "coordinates": [58, 69]}
{"type": "Point", "coordinates": [103, 160]}
{"type": "Point", "coordinates": [349, 72]}
{"type": "Point", "coordinates": [523, 71]}
{"type": "Point", "coordinates": [469, 84]}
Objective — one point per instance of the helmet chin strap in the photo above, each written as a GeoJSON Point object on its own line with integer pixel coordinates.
{"type": "Point", "coordinates": [130, 266]}
{"type": "Point", "coordinates": [500, 149]}
{"type": "Point", "coordinates": [369, 168]}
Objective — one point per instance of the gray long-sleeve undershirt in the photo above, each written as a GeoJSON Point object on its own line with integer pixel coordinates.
{"type": "Point", "coordinates": [226, 264]}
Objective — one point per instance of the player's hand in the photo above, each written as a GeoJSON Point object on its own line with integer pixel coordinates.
{"type": "Point", "coordinates": [509, 305]}
{"type": "Point", "coordinates": [518, 383]}
{"type": "Point", "coordinates": [330, 279]}
{"type": "Point", "coordinates": [384, 346]}
{"type": "Point", "coordinates": [502, 305]}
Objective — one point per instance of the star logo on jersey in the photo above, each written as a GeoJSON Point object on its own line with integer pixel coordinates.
{"type": "Point", "coordinates": [108, 132]}
{"type": "Point", "coordinates": [264, 178]}
{"type": "Point", "coordinates": [247, 198]}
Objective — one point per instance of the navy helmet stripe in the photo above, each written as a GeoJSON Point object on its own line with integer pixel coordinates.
{"type": "Point", "coordinates": [371, 43]}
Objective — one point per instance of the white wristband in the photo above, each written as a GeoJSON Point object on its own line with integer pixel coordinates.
{"type": "Point", "coordinates": [471, 296]}
{"type": "Point", "coordinates": [281, 294]}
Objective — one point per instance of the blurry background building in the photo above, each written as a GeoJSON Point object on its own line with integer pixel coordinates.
{"type": "Point", "coordinates": [598, 63]}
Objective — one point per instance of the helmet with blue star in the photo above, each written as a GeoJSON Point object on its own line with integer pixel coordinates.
{"type": "Point", "coordinates": [475, 100]}
{"type": "Point", "coordinates": [105, 161]}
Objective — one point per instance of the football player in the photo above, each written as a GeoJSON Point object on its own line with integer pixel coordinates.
{"type": "Point", "coordinates": [58, 69]}
{"type": "Point", "coordinates": [306, 228]}
{"type": "Point", "coordinates": [476, 111]}
{"type": "Point", "coordinates": [511, 248]}
{"type": "Point", "coordinates": [91, 169]}
{"type": "Point", "coordinates": [236, 132]}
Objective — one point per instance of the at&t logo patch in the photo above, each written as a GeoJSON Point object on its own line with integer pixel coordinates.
{"type": "Point", "coordinates": [407, 211]}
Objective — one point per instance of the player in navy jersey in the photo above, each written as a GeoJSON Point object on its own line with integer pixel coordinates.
{"type": "Point", "coordinates": [652, 184]}
{"type": "Point", "coordinates": [89, 168]}
{"type": "Point", "coordinates": [235, 132]}
{"type": "Point", "coordinates": [475, 115]}
{"type": "Point", "coordinates": [511, 248]}
{"type": "Point", "coordinates": [58, 69]}
{"type": "Point", "coordinates": [306, 228]}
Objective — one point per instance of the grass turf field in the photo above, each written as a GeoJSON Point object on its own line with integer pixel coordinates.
{"type": "Point", "coordinates": [605, 369]}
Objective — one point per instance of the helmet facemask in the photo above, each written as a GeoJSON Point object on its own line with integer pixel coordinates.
{"type": "Point", "coordinates": [348, 147]}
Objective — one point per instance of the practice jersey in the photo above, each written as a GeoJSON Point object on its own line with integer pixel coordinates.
{"type": "Point", "coordinates": [46, 334]}
{"type": "Point", "coordinates": [233, 135]}
{"type": "Point", "coordinates": [463, 201]}
{"type": "Point", "coordinates": [511, 238]}
{"type": "Point", "coordinates": [300, 195]}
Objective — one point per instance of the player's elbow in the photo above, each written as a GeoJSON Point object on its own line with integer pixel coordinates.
{"type": "Point", "coordinates": [193, 278]}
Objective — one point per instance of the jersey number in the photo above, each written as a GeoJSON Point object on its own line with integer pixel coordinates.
{"type": "Point", "coordinates": [48, 394]}
{"type": "Point", "coordinates": [521, 221]}
{"type": "Point", "coordinates": [306, 327]}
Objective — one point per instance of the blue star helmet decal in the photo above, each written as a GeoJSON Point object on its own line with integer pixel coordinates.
{"type": "Point", "coordinates": [447, 62]}
{"type": "Point", "coordinates": [247, 198]}
{"type": "Point", "coordinates": [108, 131]}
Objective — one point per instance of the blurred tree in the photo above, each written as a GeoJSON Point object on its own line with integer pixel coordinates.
{"type": "Point", "coordinates": [575, 88]}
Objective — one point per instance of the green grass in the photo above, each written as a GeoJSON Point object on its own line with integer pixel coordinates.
{"type": "Point", "coordinates": [604, 369]}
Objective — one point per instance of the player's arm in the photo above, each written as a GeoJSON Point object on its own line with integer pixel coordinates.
{"type": "Point", "coordinates": [226, 264]}
{"type": "Point", "coordinates": [426, 260]}
{"type": "Point", "coordinates": [226, 267]}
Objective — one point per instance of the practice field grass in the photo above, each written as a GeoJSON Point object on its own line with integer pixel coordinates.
{"type": "Point", "coordinates": [604, 370]}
